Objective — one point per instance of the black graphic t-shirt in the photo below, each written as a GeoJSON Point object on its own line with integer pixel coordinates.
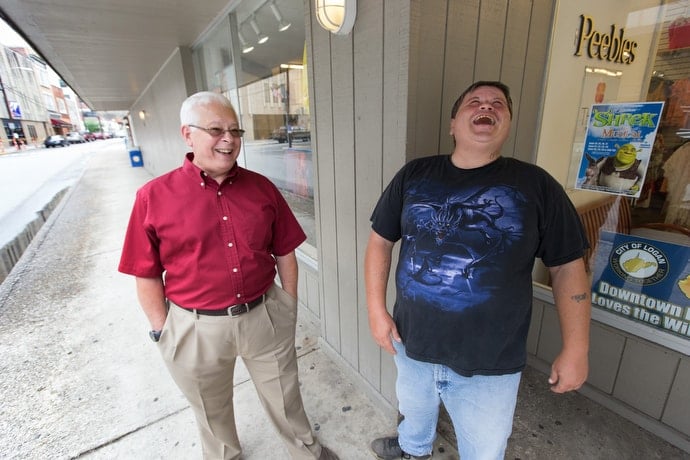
{"type": "Point", "coordinates": [469, 238]}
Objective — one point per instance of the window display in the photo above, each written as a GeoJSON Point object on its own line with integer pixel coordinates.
{"type": "Point", "coordinates": [643, 273]}
{"type": "Point", "coordinates": [628, 170]}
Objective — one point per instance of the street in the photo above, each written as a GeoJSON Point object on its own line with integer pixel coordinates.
{"type": "Point", "coordinates": [29, 179]}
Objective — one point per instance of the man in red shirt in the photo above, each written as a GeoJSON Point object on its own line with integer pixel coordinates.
{"type": "Point", "coordinates": [204, 242]}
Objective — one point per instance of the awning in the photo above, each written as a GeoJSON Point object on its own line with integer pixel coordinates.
{"type": "Point", "coordinates": [59, 123]}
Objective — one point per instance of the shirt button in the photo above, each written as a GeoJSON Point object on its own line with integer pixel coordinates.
{"type": "Point", "coordinates": [239, 295]}
{"type": "Point", "coordinates": [202, 184]}
{"type": "Point", "coordinates": [230, 245]}
{"type": "Point", "coordinates": [234, 270]}
{"type": "Point", "coordinates": [225, 217]}
{"type": "Point", "coordinates": [220, 193]}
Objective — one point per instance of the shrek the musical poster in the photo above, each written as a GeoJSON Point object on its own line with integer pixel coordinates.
{"type": "Point", "coordinates": [618, 145]}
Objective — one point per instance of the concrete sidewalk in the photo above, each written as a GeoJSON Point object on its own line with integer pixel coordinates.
{"type": "Point", "coordinates": [81, 379]}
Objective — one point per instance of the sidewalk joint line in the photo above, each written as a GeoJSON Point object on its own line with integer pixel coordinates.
{"type": "Point", "coordinates": [124, 435]}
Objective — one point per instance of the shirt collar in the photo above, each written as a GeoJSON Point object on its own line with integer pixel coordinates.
{"type": "Point", "coordinates": [195, 172]}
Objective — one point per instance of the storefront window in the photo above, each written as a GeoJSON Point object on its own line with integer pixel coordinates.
{"type": "Point", "coordinates": [267, 82]}
{"type": "Point", "coordinates": [628, 167]}
{"type": "Point", "coordinates": [615, 91]}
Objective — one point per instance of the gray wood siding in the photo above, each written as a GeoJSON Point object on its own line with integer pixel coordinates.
{"type": "Point", "coordinates": [396, 62]}
{"type": "Point", "coordinates": [528, 113]}
{"type": "Point", "coordinates": [460, 60]}
{"type": "Point", "coordinates": [323, 162]}
{"type": "Point", "coordinates": [369, 103]}
{"type": "Point", "coordinates": [382, 96]}
{"type": "Point", "coordinates": [427, 50]}
{"type": "Point", "coordinates": [344, 181]}
{"type": "Point", "coordinates": [622, 369]}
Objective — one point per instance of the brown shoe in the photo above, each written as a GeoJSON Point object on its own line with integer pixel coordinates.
{"type": "Point", "coordinates": [327, 454]}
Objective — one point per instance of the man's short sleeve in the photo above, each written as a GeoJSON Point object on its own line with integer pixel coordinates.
{"type": "Point", "coordinates": [563, 237]}
{"type": "Point", "coordinates": [288, 234]}
{"type": "Point", "coordinates": [385, 220]}
{"type": "Point", "coordinates": [140, 256]}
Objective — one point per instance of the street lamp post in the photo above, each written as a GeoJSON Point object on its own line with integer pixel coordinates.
{"type": "Point", "coordinates": [288, 134]}
{"type": "Point", "coordinates": [287, 68]}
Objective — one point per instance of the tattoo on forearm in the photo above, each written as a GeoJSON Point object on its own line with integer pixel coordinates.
{"type": "Point", "coordinates": [579, 297]}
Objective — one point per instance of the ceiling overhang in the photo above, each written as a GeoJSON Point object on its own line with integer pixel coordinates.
{"type": "Point", "coordinates": [108, 52]}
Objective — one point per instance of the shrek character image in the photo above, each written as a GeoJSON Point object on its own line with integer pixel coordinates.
{"type": "Point", "coordinates": [621, 172]}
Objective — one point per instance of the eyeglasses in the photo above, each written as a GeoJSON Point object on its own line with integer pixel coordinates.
{"type": "Point", "coordinates": [217, 132]}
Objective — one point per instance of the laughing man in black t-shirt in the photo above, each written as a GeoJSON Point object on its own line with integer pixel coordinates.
{"type": "Point", "coordinates": [471, 225]}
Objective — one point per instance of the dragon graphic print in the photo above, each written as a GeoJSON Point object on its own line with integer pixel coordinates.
{"type": "Point", "coordinates": [451, 241]}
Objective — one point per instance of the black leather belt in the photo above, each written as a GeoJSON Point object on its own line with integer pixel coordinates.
{"type": "Point", "coordinates": [232, 310]}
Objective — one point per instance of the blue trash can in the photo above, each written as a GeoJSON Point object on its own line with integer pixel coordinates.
{"type": "Point", "coordinates": [135, 158]}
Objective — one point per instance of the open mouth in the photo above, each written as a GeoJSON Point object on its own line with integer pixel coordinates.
{"type": "Point", "coordinates": [225, 151]}
{"type": "Point", "coordinates": [483, 120]}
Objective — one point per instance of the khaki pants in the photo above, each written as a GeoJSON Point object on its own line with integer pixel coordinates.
{"type": "Point", "coordinates": [200, 353]}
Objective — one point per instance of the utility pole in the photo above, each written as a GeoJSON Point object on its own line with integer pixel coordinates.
{"type": "Point", "coordinates": [9, 113]}
{"type": "Point", "coordinates": [4, 98]}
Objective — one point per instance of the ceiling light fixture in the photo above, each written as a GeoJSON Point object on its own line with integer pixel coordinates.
{"type": "Point", "coordinates": [282, 24]}
{"type": "Point", "coordinates": [336, 16]}
{"type": "Point", "coordinates": [246, 47]}
{"type": "Point", "coordinates": [260, 38]}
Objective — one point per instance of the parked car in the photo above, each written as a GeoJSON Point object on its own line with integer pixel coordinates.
{"type": "Point", "coordinates": [102, 135]}
{"type": "Point", "coordinates": [75, 138]}
{"type": "Point", "coordinates": [56, 141]}
{"type": "Point", "coordinates": [88, 136]}
{"type": "Point", "coordinates": [296, 134]}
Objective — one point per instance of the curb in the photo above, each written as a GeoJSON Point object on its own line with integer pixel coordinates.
{"type": "Point", "coordinates": [13, 251]}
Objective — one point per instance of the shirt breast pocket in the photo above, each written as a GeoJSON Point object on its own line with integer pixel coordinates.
{"type": "Point", "coordinates": [257, 228]}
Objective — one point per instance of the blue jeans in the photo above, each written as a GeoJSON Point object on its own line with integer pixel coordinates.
{"type": "Point", "coordinates": [481, 407]}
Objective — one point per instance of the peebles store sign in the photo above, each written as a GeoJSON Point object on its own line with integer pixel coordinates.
{"type": "Point", "coordinates": [611, 46]}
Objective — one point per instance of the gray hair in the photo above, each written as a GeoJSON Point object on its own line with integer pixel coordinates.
{"type": "Point", "coordinates": [188, 113]}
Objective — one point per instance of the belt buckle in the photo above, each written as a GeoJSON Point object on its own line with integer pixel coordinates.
{"type": "Point", "coordinates": [237, 310]}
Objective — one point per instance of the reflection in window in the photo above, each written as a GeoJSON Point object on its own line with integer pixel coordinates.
{"type": "Point", "coordinates": [666, 191]}
{"type": "Point", "coordinates": [214, 60]}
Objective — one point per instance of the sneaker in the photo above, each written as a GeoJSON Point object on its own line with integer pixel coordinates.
{"type": "Point", "coordinates": [389, 449]}
{"type": "Point", "coordinates": [327, 454]}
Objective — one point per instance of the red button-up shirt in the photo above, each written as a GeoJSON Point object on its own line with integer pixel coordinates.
{"type": "Point", "coordinates": [215, 244]}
